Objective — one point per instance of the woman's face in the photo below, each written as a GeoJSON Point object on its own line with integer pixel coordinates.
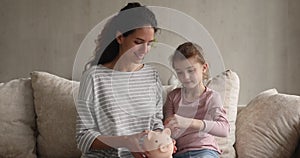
{"type": "Point", "coordinates": [189, 72]}
{"type": "Point", "coordinates": [136, 45]}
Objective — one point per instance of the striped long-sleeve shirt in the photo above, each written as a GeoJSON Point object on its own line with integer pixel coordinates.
{"type": "Point", "coordinates": [115, 103]}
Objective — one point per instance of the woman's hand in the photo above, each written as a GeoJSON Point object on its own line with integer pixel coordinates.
{"type": "Point", "coordinates": [133, 144]}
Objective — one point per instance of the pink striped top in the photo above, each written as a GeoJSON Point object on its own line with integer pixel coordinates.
{"type": "Point", "coordinates": [209, 108]}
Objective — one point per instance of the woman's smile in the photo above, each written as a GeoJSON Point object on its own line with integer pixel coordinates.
{"type": "Point", "coordinates": [140, 56]}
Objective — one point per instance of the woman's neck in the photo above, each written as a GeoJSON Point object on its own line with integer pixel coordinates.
{"type": "Point", "coordinates": [124, 66]}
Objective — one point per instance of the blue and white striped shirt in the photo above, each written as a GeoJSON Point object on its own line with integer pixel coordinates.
{"type": "Point", "coordinates": [115, 103]}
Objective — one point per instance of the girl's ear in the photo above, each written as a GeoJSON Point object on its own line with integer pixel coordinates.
{"type": "Point", "coordinates": [119, 37]}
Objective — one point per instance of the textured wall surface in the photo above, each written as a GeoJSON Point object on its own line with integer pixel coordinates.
{"type": "Point", "coordinates": [257, 39]}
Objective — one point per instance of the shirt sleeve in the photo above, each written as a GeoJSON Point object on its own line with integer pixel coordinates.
{"type": "Point", "coordinates": [168, 108]}
{"type": "Point", "coordinates": [157, 121]}
{"type": "Point", "coordinates": [215, 121]}
{"type": "Point", "coordinates": [86, 128]}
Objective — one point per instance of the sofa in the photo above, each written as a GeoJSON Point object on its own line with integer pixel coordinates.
{"type": "Point", "coordinates": [38, 115]}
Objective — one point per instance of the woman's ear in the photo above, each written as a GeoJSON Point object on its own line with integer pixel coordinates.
{"type": "Point", "coordinates": [119, 37]}
{"type": "Point", "coordinates": [204, 67]}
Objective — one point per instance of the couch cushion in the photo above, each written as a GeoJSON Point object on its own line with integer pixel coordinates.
{"type": "Point", "coordinates": [56, 115]}
{"type": "Point", "coordinates": [269, 126]}
{"type": "Point", "coordinates": [17, 119]}
{"type": "Point", "coordinates": [228, 85]}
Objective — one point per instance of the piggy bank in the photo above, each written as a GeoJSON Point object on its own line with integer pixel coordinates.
{"type": "Point", "coordinates": [159, 144]}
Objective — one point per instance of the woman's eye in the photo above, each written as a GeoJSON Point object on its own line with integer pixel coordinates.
{"type": "Point", "coordinates": [138, 42]}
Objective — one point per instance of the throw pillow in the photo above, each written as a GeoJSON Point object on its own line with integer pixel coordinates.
{"type": "Point", "coordinates": [228, 85]}
{"type": "Point", "coordinates": [17, 119]}
{"type": "Point", "coordinates": [56, 115]}
{"type": "Point", "coordinates": [269, 126]}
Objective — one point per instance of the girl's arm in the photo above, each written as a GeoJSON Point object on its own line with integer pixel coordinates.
{"type": "Point", "coordinates": [219, 126]}
{"type": "Point", "coordinates": [214, 123]}
{"type": "Point", "coordinates": [168, 108]}
{"type": "Point", "coordinates": [176, 122]}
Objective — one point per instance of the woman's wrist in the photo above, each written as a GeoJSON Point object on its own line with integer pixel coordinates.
{"type": "Point", "coordinates": [123, 142]}
{"type": "Point", "coordinates": [107, 142]}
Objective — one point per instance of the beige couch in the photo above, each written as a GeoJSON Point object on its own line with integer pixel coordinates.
{"type": "Point", "coordinates": [37, 119]}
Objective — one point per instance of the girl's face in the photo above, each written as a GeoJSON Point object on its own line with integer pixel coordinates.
{"type": "Point", "coordinates": [189, 72]}
{"type": "Point", "coordinates": [136, 45]}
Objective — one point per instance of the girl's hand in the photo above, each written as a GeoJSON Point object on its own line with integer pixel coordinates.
{"type": "Point", "coordinates": [175, 148]}
{"type": "Point", "coordinates": [176, 122]}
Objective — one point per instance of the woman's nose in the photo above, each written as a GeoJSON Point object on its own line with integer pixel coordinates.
{"type": "Point", "coordinates": [144, 48]}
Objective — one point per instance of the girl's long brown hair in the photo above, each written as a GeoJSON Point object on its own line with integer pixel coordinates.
{"type": "Point", "coordinates": [190, 50]}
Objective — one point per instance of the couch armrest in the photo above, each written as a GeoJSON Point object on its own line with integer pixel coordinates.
{"type": "Point", "coordinates": [240, 107]}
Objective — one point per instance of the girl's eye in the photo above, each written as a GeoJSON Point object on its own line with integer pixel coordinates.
{"type": "Point", "coordinates": [179, 72]}
{"type": "Point", "coordinates": [190, 71]}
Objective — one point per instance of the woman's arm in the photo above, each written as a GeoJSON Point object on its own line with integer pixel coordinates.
{"type": "Point", "coordinates": [157, 120]}
{"type": "Point", "coordinates": [131, 142]}
{"type": "Point", "coordinates": [86, 127]}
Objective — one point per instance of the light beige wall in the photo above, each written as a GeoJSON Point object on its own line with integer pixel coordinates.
{"type": "Point", "coordinates": [257, 39]}
{"type": "Point", "coordinates": [292, 78]}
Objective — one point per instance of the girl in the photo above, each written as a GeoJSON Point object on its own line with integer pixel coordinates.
{"type": "Point", "coordinates": [119, 96]}
{"type": "Point", "coordinates": [194, 112]}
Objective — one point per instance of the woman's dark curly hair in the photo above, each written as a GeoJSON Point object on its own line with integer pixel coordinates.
{"type": "Point", "coordinates": [131, 17]}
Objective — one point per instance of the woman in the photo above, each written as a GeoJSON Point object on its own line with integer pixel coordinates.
{"type": "Point", "coordinates": [119, 96]}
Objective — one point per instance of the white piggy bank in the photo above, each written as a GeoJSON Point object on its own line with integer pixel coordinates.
{"type": "Point", "coordinates": [159, 144]}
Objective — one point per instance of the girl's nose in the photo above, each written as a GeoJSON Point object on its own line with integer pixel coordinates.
{"type": "Point", "coordinates": [186, 76]}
